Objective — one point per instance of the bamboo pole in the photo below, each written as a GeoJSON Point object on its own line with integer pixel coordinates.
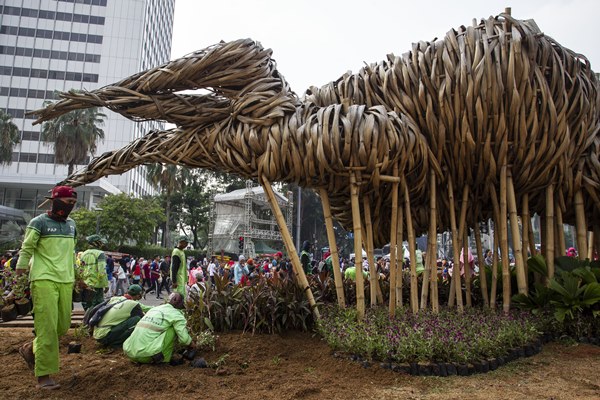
{"type": "Point", "coordinates": [504, 242]}
{"type": "Point", "coordinates": [549, 225]}
{"type": "Point", "coordinates": [360, 284]}
{"type": "Point", "coordinates": [495, 260]}
{"type": "Point", "coordinates": [335, 258]}
{"type": "Point", "coordinates": [462, 235]}
{"type": "Point", "coordinates": [516, 236]}
{"type": "Point", "coordinates": [590, 249]}
{"type": "Point", "coordinates": [560, 246]}
{"type": "Point", "coordinates": [393, 233]}
{"type": "Point", "coordinates": [482, 274]}
{"type": "Point", "coordinates": [400, 254]}
{"type": "Point", "coordinates": [580, 225]}
{"type": "Point", "coordinates": [596, 242]}
{"type": "Point", "coordinates": [525, 222]}
{"type": "Point", "coordinates": [467, 268]}
{"type": "Point", "coordinates": [289, 245]}
{"type": "Point", "coordinates": [414, 286]}
{"type": "Point", "coordinates": [373, 281]}
{"type": "Point", "coordinates": [431, 243]}
{"type": "Point", "coordinates": [455, 247]}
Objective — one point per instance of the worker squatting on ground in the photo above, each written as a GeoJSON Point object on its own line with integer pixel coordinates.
{"type": "Point", "coordinates": [153, 339]}
{"type": "Point", "coordinates": [119, 321]}
{"type": "Point", "coordinates": [50, 246]}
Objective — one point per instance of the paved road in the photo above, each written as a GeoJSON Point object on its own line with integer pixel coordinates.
{"type": "Point", "coordinates": [150, 300]}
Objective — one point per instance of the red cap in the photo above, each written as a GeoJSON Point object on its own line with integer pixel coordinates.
{"type": "Point", "coordinates": [278, 254]}
{"type": "Point", "coordinates": [62, 191]}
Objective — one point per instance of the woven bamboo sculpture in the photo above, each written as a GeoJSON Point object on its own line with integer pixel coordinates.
{"type": "Point", "coordinates": [499, 117]}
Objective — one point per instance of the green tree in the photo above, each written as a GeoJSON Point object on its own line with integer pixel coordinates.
{"type": "Point", "coordinates": [9, 137]}
{"type": "Point", "coordinates": [85, 221]}
{"type": "Point", "coordinates": [192, 207]}
{"type": "Point", "coordinates": [169, 179]}
{"type": "Point", "coordinates": [74, 135]}
{"type": "Point", "coordinates": [125, 219]}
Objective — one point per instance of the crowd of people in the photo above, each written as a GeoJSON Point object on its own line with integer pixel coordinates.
{"type": "Point", "coordinates": [112, 288]}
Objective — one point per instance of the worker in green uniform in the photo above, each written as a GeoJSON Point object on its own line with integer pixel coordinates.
{"type": "Point", "coordinates": [350, 273]}
{"type": "Point", "coordinates": [118, 322]}
{"type": "Point", "coordinates": [179, 273]}
{"type": "Point", "coordinates": [305, 258]}
{"type": "Point", "coordinates": [95, 278]}
{"type": "Point", "coordinates": [49, 245]}
{"type": "Point", "coordinates": [153, 338]}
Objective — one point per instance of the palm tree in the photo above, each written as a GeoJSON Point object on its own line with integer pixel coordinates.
{"type": "Point", "coordinates": [168, 178]}
{"type": "Point", "coordinates": [74, 135]}
{"type": "Point", "coordinates": [9, 137]}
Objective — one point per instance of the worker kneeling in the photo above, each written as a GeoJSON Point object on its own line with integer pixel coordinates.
{"type": "Point", "coordinates": [119, 321]}
{"type": "Point", "coordinates": [153, 338]}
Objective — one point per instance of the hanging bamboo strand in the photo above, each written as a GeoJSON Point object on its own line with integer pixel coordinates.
{"type": "Point", "coordinates": [335, 259]}
{"type": "Point", "coordinates": [289, 245]}
{"type": "Point", "coordinates": [516, 236]}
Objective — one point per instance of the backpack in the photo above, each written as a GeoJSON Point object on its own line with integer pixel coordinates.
{"type": "Point", "coordinates": [98, 312]}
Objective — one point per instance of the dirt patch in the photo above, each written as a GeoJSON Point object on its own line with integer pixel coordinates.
{"type": "Point", "coordinates": [293, 366]}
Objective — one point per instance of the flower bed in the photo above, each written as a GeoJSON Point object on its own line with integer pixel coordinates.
{"type": "Point", "coordinates": [445, 337]}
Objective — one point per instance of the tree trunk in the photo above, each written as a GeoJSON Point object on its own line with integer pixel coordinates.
{"type": "Point", "coordinates": [167, 225]}
{"type": "Point", "coordinates": [70, 169]}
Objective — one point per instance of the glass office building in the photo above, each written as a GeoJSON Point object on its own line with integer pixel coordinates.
{"type": "Point", "coordinates": [58, 45]}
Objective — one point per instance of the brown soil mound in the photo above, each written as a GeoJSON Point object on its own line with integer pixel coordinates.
{"type": "Point", "coordinates": [292, 366]}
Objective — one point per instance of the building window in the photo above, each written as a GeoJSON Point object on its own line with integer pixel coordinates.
{"type": "Point", "coordinates": [41, 73]}
{"type": "Point", "coordinates": [47, 34]}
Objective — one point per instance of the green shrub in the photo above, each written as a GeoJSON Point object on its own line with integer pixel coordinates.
{"type": "Point", "coordinates": [443, 337]}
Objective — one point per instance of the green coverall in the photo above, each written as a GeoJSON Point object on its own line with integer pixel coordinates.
{"type": "Point", "coordinates": [180, 276]}
{"type": "Point", "coordinates": [50, 246]}
{"type": "Point", "coordinates": [155, 333]}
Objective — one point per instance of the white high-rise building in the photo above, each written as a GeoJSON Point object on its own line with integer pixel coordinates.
{"type": "Point", "coordinates": [58, 45]}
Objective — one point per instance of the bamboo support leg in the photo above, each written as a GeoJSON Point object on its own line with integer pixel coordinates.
{"type": "Point", "coordinates": [596, 242]}
{"type": "Point", "coordinates": [373, 281]}
{"type": "Point", "coordinates": [549, 222]}
{"type": "Point", "coordinates": [561, 246]}
{"type": "Point", "coordinates": [360, 284]}
{"type": "Point", "coordinates": [590, 249]}
{"type": "Point", "coordinates": [482, 274]}
{"type": "Point", "coordinates": [393, 233]}
{"type": "Point", "coordinates": [516, 236]}
{"type": "Point", "coordinates": [400, 254]}
{"type": "Point", "coordinates": [504, 242]}
{"type": "Point", "coordinates": [289, 245]}
{"type": "Point", "coordinates": [414, 288]}
{"type": "Point", "coordinates": [525, 221]}
{"type": "Point", "coordinates": [581, 225]}
{"type": "Point", "coordinates": [455, 247]}
{"type": "Point", "coordinates": [335, 258]}
{"type": "Point", "coordinates": [431, 265]}
{"type": "Point", "coordinates": [495, 260]}
{"type": "Point", "coordinates": [467, 268]}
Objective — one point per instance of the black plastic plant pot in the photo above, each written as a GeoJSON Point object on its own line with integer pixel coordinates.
{"type": "Point", "coordinates": [451, 369]}
{"type": "Point", "coordinates": [462, 369]}
{"type": "Point", "coordinates": [500, 360]}
{"type": "Point", "coordinates": [529, 351]}
{"type": "Point", "coordinates": [485, 366]}
{"type": "Point", "coordinates": [9, 313]}
{"type": "Point", "coordinates": [23, 306]}
{"type": "Point", "coordinates": [414, 369]}
{"type": "Point", "coordinates": [478, 367]}
{"type": "Point", "coordinates": [493, 364]}
{"type": "Point", "coordinates": [74, 348]}
{"type": "Point", "coordinates": [443, 369]}
{"type": "Point", "coordinates": [76, 296]}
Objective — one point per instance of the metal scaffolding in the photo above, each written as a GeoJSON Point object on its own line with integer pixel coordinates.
{"type": "Point", "coordinates": [244, 214]}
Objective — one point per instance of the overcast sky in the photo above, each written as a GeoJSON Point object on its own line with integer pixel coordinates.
{"type": "Point", "coordinates": [316, 41]}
